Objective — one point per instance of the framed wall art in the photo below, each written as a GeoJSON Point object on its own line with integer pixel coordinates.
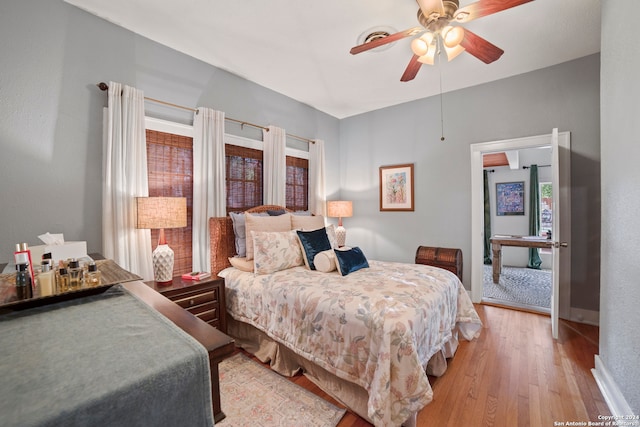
{"type": "Point", "coordinates": [510, 198]}
{"type": "Point", "coordinates": [396, 188]}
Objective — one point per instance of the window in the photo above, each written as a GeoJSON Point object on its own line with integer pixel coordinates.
{"type": "Point", "coordinates": [170, 174]}
{"type": "Point", "coordinates": [244, 180]}
{"type": "Point", "coordinates": [244, 177]}
{"type": "Point", "coordinates": [546, 207]}
{"type": "Point", "coordinates": [297, 183]}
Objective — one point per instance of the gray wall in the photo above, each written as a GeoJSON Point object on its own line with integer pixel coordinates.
{"type": "Point", "coordinates": [53, 54]}
{"type": "Point", "coordinates": [565, 96]}
{"type": "Point", "coordinates": [619, 314]}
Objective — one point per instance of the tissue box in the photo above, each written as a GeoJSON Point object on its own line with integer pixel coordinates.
{"type": "Point", "coordinates": [58, 252]}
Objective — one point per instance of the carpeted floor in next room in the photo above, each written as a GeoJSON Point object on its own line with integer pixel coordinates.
{"type": "Point", "coordinates": [523, 286]}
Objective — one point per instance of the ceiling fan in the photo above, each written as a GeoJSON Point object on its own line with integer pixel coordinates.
{"type": "Point", "coordinates": [438, 30]}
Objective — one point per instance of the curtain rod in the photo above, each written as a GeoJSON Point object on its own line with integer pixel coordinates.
{"type": "Point", "coordinates": [103, 86]}
{"type": "Point", "coordinates": [540, 166]}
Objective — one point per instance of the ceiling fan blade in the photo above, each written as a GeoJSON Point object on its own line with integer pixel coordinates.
{"type": "Point", "coordinates": [411, 70]}
{"type": "Point", "coordinates": [485, 7]}
{"type": "Point", "coordinates": [385, 40]}
{"type": "Point", "coordinates": [480, 48]}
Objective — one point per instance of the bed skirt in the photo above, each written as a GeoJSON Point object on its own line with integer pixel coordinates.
{"type": "Point", "coordinates": [288, 363]}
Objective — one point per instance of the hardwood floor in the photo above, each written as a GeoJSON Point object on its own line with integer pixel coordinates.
{"type": "Point", "coordinates": [514, 374]}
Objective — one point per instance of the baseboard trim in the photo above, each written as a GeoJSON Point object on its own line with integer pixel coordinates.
{"type": "Point", "coordinates": [580, 315]}
{"type": "Point", "coordinates": [612, 395]}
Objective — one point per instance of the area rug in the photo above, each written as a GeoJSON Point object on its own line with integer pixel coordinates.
{"type": "Point", "coordinates": [519, 285]}
{"type": "Point", "coordinates": [254, 396]}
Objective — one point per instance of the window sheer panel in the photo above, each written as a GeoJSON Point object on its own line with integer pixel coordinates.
{"type": "Point", "coordinates": [170, 171]}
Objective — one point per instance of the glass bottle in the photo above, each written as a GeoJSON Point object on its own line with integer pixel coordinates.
{"type": "Point", "coordinates": [93, 276]}
{"type": "Point", "coordinates": [23, 281]}
{"type": "Point", "coordinates": [63, 280]}
{"type": "Point", "coordinates": [46, 279]}
{"type": "Point", "coordinates": [75, 274]}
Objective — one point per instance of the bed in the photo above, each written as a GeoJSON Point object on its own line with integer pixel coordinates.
{"type": "Point", "coordinates": [369, 338]}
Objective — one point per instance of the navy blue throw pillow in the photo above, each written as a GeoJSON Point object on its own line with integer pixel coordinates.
{"type": "Point", "coordinates": [313, 242]}
{"type": "Point", "coordinates": [276, 212]}
{"type": "Point", "coordinates": [350, 260]}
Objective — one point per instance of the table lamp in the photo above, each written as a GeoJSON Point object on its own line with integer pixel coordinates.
{"type": "Point", "coordinates": [340, 209]}
{"type": "Point", "coordinates": [160, 213]}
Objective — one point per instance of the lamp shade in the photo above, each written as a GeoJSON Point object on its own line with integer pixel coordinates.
{"type": "Point", "coordinates": [161, 212]}
{"type": "Point", "coordinates": [339, 209]}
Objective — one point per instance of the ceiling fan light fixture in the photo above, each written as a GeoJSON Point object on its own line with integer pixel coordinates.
{"type": "Point", "coordinates": [429, 57]}
{"type": "Point", "coordinates": [452, 52]}
{"type": "Point", "coordinates": [452, 36]}
{"type": "Point", "coordinates": [421, 45]}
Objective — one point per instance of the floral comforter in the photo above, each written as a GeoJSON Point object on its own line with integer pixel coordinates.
{"type": "Point", "coordinates": [377, 327]}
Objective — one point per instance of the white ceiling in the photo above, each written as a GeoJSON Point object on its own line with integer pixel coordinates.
{"type": "Point", "coordinates": [301, 48]}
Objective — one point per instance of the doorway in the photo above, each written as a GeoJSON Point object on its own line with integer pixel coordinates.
{"type": "Point", "coordinates": [563, 271]}
{"type": "Point", "coordinates": [522, 284]}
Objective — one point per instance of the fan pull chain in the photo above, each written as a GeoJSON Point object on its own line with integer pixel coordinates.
{"type": "Point", "coordinates": [441, 110]}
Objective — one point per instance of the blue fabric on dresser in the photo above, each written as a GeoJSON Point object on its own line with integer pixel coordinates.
{"type": "Point", "coordinates": [313, 242]}
{"type": "Point", "coordinates": [350, 260]}
{"type": "Point", "coordinates": [103, 360]}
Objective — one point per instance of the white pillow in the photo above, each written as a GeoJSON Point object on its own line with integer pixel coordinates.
{"type": "Point", "coordinates": [264, 223]}
{"type": "Point", "coordinates": [306, 223]}
{"type": "Point", "coordinates": [325, 261]}
{"type": "Point", "coordinates": [331, 234]}
{"type": "Point", "coordinates": [274, 251]}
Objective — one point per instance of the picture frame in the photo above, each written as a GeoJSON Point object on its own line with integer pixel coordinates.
{"type": "Point", "coordinates": [510, 198]}
{"type": "Point", "coordinates": [397, 188]}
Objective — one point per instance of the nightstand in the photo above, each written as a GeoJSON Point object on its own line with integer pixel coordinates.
{"type": "Point", "coordinates": [204, 298]}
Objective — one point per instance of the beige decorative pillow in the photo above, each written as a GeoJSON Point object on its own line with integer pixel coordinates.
{"type": "Point", "coordinates": [264, 223]}
{"type": "Point", "coordinates": [241, 263]}
{"type": "Point", "coordinates": [306, 223]}
{"type": "Point", "coordinates": [275, 251]}
{"type": "Point", "coordinates": [325, 261]}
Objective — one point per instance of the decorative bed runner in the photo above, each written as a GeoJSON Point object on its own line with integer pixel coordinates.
{"type": "Point", "coordinates": [102, 360]}
{"type": "Point", "coordinates": [254, 395]}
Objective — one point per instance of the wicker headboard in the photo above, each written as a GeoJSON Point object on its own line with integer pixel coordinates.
{"type": "Point", "coordinates": [222, 238]}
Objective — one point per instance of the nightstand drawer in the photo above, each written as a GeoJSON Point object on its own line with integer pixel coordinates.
{"type": "Point", "coordinates": [211, 317]}
{"type": "Point", "coordinates": [202, 308]}
{"type": "Point", "coordinates": [196, 298]}
{"type": "Point", "coordinates": [204, 299]}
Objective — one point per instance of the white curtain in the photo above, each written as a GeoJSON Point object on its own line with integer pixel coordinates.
{"type": "Point", "coordinates": [209, 188]}
{"type": "Point", "coordinates": [317, 193]}
{"type": "Point", "coordinates": [274, 166]}
{"type": "Point", "coordinates": [124, 176]}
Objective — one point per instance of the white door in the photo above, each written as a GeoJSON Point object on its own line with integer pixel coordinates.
{"type": "Point", "coordinates": [561, 187]}
{"type": "Point", "coordinates": [561, 173]}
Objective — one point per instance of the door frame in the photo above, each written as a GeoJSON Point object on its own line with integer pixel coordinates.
{"type": "Point", "coordinates": [477, 206]}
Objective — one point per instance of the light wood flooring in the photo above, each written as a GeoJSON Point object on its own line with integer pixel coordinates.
{"type": "Point", "coordinates": [514, 374]}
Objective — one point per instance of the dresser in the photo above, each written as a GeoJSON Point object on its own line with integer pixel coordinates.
{"type": "Point", "coordinates": [204, 298]}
